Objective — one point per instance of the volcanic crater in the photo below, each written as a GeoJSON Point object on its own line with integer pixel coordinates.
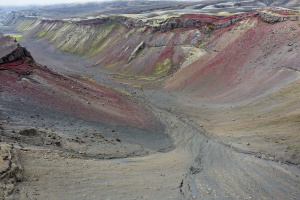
{"type": "Point", "coordinates": [132, 105]}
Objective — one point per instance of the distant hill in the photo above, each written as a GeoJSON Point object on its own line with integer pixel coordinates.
{"type": "Point", "coordinates": [286, 3]}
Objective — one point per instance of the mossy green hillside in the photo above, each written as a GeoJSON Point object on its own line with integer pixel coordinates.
{"type": "Point", "coordinates": [59, 33]}
{"type": "Point", "coordinates": [101, 33]}
{"type": "Point", "coordinates": [84, 40]}
{"type": "Point", "coordinates": [25, 24]}
{"type": "Point", "coordinates": [44, 29]}
{"type": "Point", "coordinates": [87, 40]}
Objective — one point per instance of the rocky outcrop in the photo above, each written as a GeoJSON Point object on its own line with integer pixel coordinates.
{"type": "Point", "coordinates": [16, 54]}
{"type": "Point", "coordinates": [271, 17]}
{"type": "Point", "coordinates": [8, 44]}
{"type": "Point", "coordinates": [10, 170]}
{"type": "Point", "coordinates": [201, 21]}
{"type": "Point", "coordinates": [11, 50]}
{"type": "Point", "coordinates": [125, 21]}
{"type": "Point", "coordinates": [232, 20]}
{"type": "Point", "coordinates": [185, 21]}
{"type": "Point", "coordinates": [138, 49]}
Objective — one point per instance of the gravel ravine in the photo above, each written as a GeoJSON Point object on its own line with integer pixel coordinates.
{"type": "Point", "coordinates": [198, 167]}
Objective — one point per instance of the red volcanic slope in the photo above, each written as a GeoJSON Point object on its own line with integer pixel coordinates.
{"type": "Point", "coordinates": [86, 99]}
{"type": "Point", "coordinates": [242, 62]}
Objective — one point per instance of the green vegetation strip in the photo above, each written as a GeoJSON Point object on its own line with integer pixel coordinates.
{"type": "Point", "coordinates": [17, 36]}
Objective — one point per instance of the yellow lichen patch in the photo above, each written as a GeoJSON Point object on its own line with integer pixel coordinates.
{"type": "Point", "coordinates": [132, 77]}
{"type": "Point", "coordinates": [140, 81]}
{"type": "Point", "coordinates": [84, 77]}
{"type": "Point", "coordinates": [162, 68]}
{"type": "Point", "coordinates": [111, 65]}
{"type": "Point", "coordinates": [202, 44]}
{"type": "Point", "coordinates": [41, 34]}
{"type": "Point", "coordinates": [17, 36]}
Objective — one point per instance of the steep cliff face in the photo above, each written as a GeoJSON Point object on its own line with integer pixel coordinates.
{"type": "Point", "coordinates": [273, 15]}
{"type": "Point", "coordinates": [184, 21]}
{"type": "Point", "coordinates": [111, 45]}
{"type": "Point", "coordinates": [11, 51]}
{"type": "Point", "coordinates": [191, 44]}
{"type": "Point", "coordinates": [10, 170]}
{"type": "Point", "coordinates": [242, 62]}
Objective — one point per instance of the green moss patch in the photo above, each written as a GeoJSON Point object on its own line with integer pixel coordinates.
{"type": "Point", "coordinates": [17, 36]}
{"type": "Point", "coordinates": [41, 33]}
{"type": "Point", "coordinates": [162, 68]}
{"type": "Point", "coordinates": [25, 25]}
